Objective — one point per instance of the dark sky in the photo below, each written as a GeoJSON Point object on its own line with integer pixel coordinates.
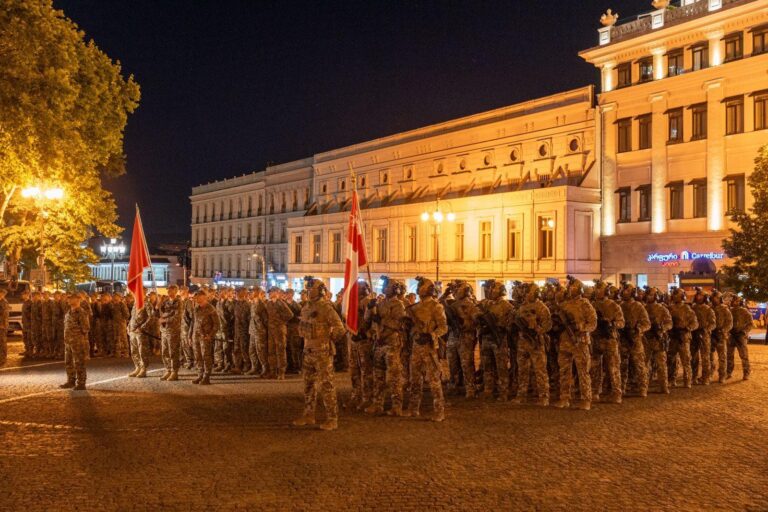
{"type": "Point", "coordinates": [228, 86]}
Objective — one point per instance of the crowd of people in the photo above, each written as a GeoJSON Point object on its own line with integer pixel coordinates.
{"type": "Point", "coordinates": [566, 343]}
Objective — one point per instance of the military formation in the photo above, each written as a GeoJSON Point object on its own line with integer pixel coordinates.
{"type": "Point", "coordinates": [558, 345]}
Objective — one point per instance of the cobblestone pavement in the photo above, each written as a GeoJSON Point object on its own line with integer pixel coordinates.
{"type": "Point", "coordinates": [129, 444]}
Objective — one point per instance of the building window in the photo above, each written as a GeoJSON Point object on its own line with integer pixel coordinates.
{"type": "Point", "coordinates": [412, 241]}
{"type": "Point", "coordinates": [624, 72]}
{"type": "Point", "coordinates": [625, 134]}
{"type": "Point", "coordinates": [485, 240]}
{"type": "Point", "coordinates": [297, 249]}
{"type": "Point", "coordinates": [700, 198]}
{"type": "Point", "coordinates": [625, 278]}
{"type": "Point", "coordinates": [699, 121]}
{"type": "Point", "coordinates": [316, 243]}
{"type": "Point", "coordinates": [761, 111]}
{"type": "Point", "coordinates": [699, 56]}
{"type": "Point", "coordinates": [625, 204]}
{"type": "Point", "coordinates": [546, 238]}
{"type": "Point", "coordinates": [644, 198]}
{"type": "Point", "coordinates": [760, 41]}
{"type": "Point", "coordinates": [675, 118]}
{"type": "Point", "coordinates": [381, 245]}
{"type": "Point", "coordinates": [459, 256]}
{"type": "Point", "coordinates": [514, 238]}
{"type": "Point", "coordinates": [734, 194]}
{"type": "Point", "coordinates": [734, 48]}
{"type": "Point", "coordinates": [646, 69]}
{"type": "Point", "coordinates": [675, 63]}
{"type": "Point", "coordinates": [336, 247]}
{"type": "Point", "coordinates": [734, 115]}
{"type": "Point", "coordinates": [642, 280]}
{"type": "Point", "coordinates": [676, 200]}
{"type": "Point", "coordinates": [644, 127]}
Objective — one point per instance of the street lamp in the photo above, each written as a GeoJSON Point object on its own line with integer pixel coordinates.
{"type": "Point", "coordinates": [42, 196]}
{"type": "Point", "coordinates": [436, 218]}
{"type": "Point", "coordinates": [112, 251]}
{"type": "Point", "coordinates": [263, 268]}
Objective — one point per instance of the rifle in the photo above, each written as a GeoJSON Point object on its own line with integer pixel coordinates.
{"type": "Point", "coordinates": [566, 324]}
{"type": "Point", "coordinates": [454, 322]}
{"type": "Point", "coordinates": [487, 320]}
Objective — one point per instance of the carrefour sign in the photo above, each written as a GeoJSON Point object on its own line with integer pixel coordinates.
{"type": "Point", "coordinates": [662, 257]}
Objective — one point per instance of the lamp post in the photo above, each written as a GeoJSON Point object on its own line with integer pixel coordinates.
{"type": "Point", "coordinates": [436, 218]}
{"type": "Point", "coordinates": [43, 197]}
{"type": "Point", "coordinates": [112, 251]}
{"type": "Point", "coordinates": [258, 256]}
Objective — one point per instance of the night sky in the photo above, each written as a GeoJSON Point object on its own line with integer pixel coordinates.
{"type": "Point", "coordinates": [228, 86]}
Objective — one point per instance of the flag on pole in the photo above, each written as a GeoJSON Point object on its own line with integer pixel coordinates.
{"type": "Point", "coordinates": [356, 258]}
{"type": "Point", "coordinates": [139, 260]}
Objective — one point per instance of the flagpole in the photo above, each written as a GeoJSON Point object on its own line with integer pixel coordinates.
{"type": "Point", "coordinates": [354, 190]}
{"type": "Point", "coordinates": [146, 249]}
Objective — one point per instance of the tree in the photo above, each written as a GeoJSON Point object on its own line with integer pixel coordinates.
{"type": "Point", "coordinates": [748, 244]}
{"type": "Point", "coordinates": [64, 105]}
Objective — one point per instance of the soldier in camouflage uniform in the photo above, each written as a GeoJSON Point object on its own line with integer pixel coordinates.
{"type": "Point", "coordinates": [26, 320]}
{"type": "Point", "coordinates": [701, 337]}
{"type": "Point", "coordinates": [258, 348]}
{"type": "Point", "coordinates": [170, 333]}
{"type": "Point", "coordinates": [742, 324]}
{"type": "Point", "coordinates": [4, 316]}
{"type": "Point", "coordinates": [293, 339]}
{"type": "Point", "coordinates": [187, 322]}
{"type": "Point", "coordinates": [495, 321]}
{"type": "Point", "coordinates": [361, 353]}
{"type": "Point", "coordinates": [451, 340]}
{"type": "Point", "coordinates": [319, 326]}
{"type": "Point", "coordinates": [59, 312]}
{"type": "Point", "coordinates": [204, 331]}
{"type": "Point", "coordinates": [533, 321]}
{"type": "Point", "coordinates": [683, 323]}
{"type": "Point", "coordinates": [579, 319]}
{"type": "Point", "coordinates": [278, 315]}
{"type": "Point", "coordinates": [143, 326]}
{"type": "Point", "coordinates": [605, 344]}
{"type": "Point", "coordinates": [657, 338]}
{"type": "Point", "coordinates": [242, 321]}
{"type": "Point", "coordinates": [36, 325]}
{"type": "Point", "coordinates": [47, 319]}
{"type": "Point", "coordinates": [429, 323]}
{"type": "Point", "coordinates": [120, 317]}
{"type": "Point", "coordinates": [76, 346]}
{"type": "Point", "coordinates": [553, 296]}
{"type": "Point", "coordinates": [467, 312]}
{"type": "Point", "coordinates": [723, 326]}
{"type": "Point", "coordinates": [225, 307]}
{"type": "Point", "coordinates": [386, 318]}
{"type": "Point", "coordinates": [631, 347]}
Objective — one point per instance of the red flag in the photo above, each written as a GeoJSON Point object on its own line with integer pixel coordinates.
{"type": "Point", "coordinates": [356, 258]}
{"type": "Point", "coordinates": [139, 260]}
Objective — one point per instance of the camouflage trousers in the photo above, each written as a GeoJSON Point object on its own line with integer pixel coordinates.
{"type": "Point", "coordinates": [257, 352]}
{"type": "Point", "coordinates": [121, 339]}
{"type": "Point", "coordinates": [37, 339]}
{"type": "Point", "coordinates": [140, 351]}
{"type": "Point", "coordinates": [605, 359]}
{"type": "Point", "coordinates": [75, 354]}
{"type": "Point", "coordinates": [570, 354]}
{"type": "Point", "coordinates": [48, 339]}
{"type": "Point", "coordinates": [361, 370]}
{"type": "Point", "coordinates": [317, 372]}
{"type": "Point", "coordinates": [26, 336]}
{"type": "Point", "coordinates": [656, 359]}
{"type": "Point", "coordinates": [295, 347]}
{"type": "Point", "coordinates": [170, 345]}
{"type": "Point", "coordinates": [218, 351]}
{"type": "Point", "coordinates": [455, 376]}
{"type": "Point", "coordinates": [466, 350]}
{"type": "Point", "coordinates": [388, 373]}
{"type": "Point", "coordinates": [276, 351]}
{"type": "Point", "coordinates": [679, 346]}
{"type": "Point", "coordinates": [187, 348]}
{"type": "Point", "coordinates": [204, 348]}
{"type": "Point", "coordinates": [240, 355]}
{"type": "Point", "coordinates": [532, 357]}
{"type": "Point", "coordinates": [633, 353]}
{"type": "Point", "coordinates": [495, 359]}
{"type": "Point", "coordinates": [700, 348]}
{"type": "Point", "coordinates": [738, 342]}
{"type": "Point", "coordinates": [3, 346]}
{"type": "Point", "coordinates": [58, 341]}
{"type": "Point", "coordinates": [718, 347]}
{"type": "Point", "coordinates": [425, 364]}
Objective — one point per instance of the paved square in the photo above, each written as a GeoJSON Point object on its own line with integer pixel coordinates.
{"type": "Point", "coordinates": [128, 444]}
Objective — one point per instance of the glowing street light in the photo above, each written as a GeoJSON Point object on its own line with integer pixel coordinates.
{"type": "Point", "coordinates": [437, 216]}
{"type": "Point", "coordinates": [42, 196]}
{"type": "Point", "coordinates": [112, 251]}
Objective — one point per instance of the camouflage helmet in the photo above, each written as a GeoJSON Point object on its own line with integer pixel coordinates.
{"type": "Point", "coordinates": [574, 285]}
{"type": "Point", "coordinates": [494, 288]}
{"type": "Point", "coordinates": [716, 295]}
{"type": "Point", "coordinates": [651, 294]}
{"type": "Point", "coordinates": [677, 292]}
{"type": "Point", "coordinates": [316, 289]}
{"type": "Point", "coordinates": [275, 289]}
{"type": "Point", "coordinates": [737, 301]}
{"type": "Point", "coordinates": [531, 290]}
{"type": "Point", "coordinates": [700, 296]}
{"type": "Point", "coordinates": [463, 290]}
{"type": "Point", "coordinates": [600, 287]}
{"type": "Point", "coordinates": [363, 289]}
{"type": "Point", "coordinates": [425, 288]}
{"type": "Point", "coordinates": [628, 290]}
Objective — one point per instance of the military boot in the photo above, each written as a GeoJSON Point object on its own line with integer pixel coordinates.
{"type": "Point", "coordinates": [80, 386]}
{"type": "Point", "coordinates": [374, 409]}
{"type": "Point", "coordinates": [396, 411]}
{"type": "Point", "coordinates": [67, 385]}
{"type": "Point", "coordinates": [134, 373]}
{"type": "Point", "coordinates": [304, 419]}
{"type": "Point", "coordinates": [329, 424]}
{"type": "Point", "coordinates": [411, 413]}
{"type": "Point", "coordinates": [518, 400]}
{"type": "Point", "coordinates": [252, 371]}
{"type": "Point", "coordinates": [206, 380]}
{"type": "Point", "coordinates": [584, 405]}
{"type": "Point", "coordinates": [613, 398]}
{"type": "Point", "coordinates": [174, 375]}
{"type": "Point", "coordinates": [142, 373]}
{"type": "Point", "coordinates": [438, 416]}
{"type": "Point", "coordinates": [165, 375]}
{"type": "Point", "coordinates": [198, 379]}
{"type": "Point", "coordinates": [542, 401]}
{"type": "Point", "coordinates": [561, 404]}
{"type": "Point", "coordinates": [665, 389]}
{"type": "Point", "coordinates": [235, 371]}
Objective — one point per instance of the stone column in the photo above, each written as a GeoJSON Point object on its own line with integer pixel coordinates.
{"type": "Point", "coordinates": [716, 47]}
{"type": "Point", "coordinates": [658, 162]}
{"type": "Point", "coordinates": [715, 153]}
{"type": "Point", "coordinates": [607, 120]}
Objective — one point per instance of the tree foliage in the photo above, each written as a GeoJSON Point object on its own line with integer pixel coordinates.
{"type": "Point", "coordinates": [64, 105]}
{"type": "Point", "coordinates": [748, 244]}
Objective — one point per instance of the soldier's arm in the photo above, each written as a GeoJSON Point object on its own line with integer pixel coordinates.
{"type": "Point", "coordinates": [440, 321]}
{"type": "Point", "coordinates": [693, 321]}
{"type": "Point", "coordinates": [85, 324]}
{"type": "Point", "coordinates": [618, 317]}
{"type": "Point", "coordinates": [666, 319]}
{"type": "Point", "coordinates": [727, 320]}
{"type": "Point", "coordinates": [589, 322]}
{"type": "Point", "coordinates": [643, 322]}
{"type": "Point", "coordinates": [334, 322]}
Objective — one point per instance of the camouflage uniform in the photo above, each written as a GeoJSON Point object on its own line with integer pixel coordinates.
{"type": "Point", "coordinates": [467, 312]}
{"type": "Point", "coordinates": [293, 341]}
{"type": "Point", "coordinates": [120, 317]}
{"type": "Point", "coordinates": [187, 323]}
{"type": "Point", "coordinates": [605, 347]}
{"type": "Point", "coordinates": [657, 341]}
{"type": "Point", "coordinates": [278, 314]}
{"type": "Point", "coordinates": [258, 347]}
{"type": "Point", "coordinates": [26, 320]}
{"type": "Point", "coordinates": [701, 340]}
{"type": "Point", "coordinates": [142, 327]}
{"type": "Point", "coordinates": [60, 312]}
{"type": "Point", "coordinates": [361, 356]}
{"type": "Point", "coordinates": [719, 344]}
{"type": "Point", "coordinates": [534, 322]}
{"type": "Point", "coordinates": [429, 323]}
{"type": "Point", "coordinates": [204, 331]}
{"type": "Point", "coordinates": [170, 334]}
{"type": "Point", "coordinates": [319, 325]}
{"type": "Point", "coordinates": [742, 324]}
{"type": "Point", "coordinates": [4, 313]}
{"type": "Point", "coordinates": [242, 321]}
{"type": "Point", "coordinates": [636, 323]}
{"type": "Point", "coordinates": [494, 347]}
{"type": "Point", "coordinates": [387, 319]}
{"type": "Point", "coordinates": [36, 327]}
{"type": "Point", "coordinates": [683, 322]}
{"type": "Point", "coordinates": [225, 338]}
{"type": "Point", "coordinates": [76, 346]}
{"type": "Point", "coordinates": [47, 326]}
{"type": "Point", "coordinates": [580, 319]}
